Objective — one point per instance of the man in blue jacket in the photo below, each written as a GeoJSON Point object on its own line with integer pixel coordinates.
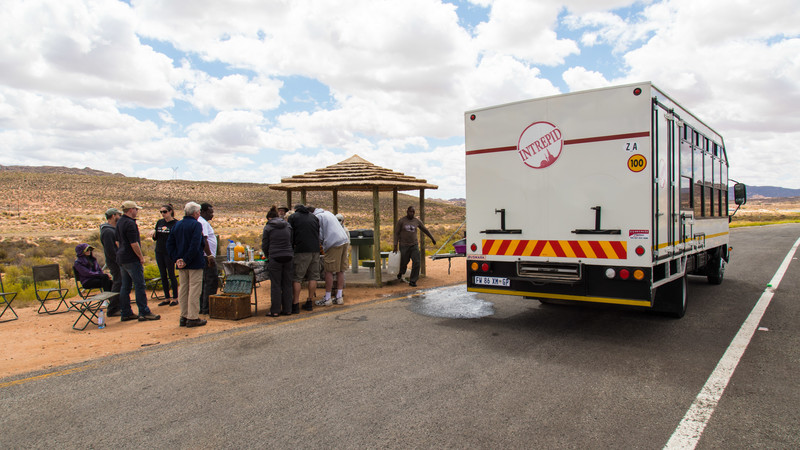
{"type": "Point", "coordinates": [185, 246]}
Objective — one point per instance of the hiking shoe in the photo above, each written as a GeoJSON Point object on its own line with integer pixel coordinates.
{"type": "Point", "coordinates": [164, 303]}
{"type": "Point", "coordinates": [308, 305]}
{"type": "Point", "coordinates": [399, 276]}
{"type": "Point", "coordinates": [182, 322]}
{"type": "Point", "coordinates": [295, 308]}
{"type": "Point", "coordinates": [412, 284]}
{"type": "Point", "coordinates": [127, 318]}
{"type": "Point", "coordinates": [195, 323]}
{"type": "Point", "coordinates": [324, 302]}
{"type": "Point", "coordinates": [338, 301]}
{"type": "Point", "coordinates": [146, 317]}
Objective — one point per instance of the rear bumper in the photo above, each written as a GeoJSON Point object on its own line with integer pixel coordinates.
{"type": "Point", "coordinates": [589, 283]}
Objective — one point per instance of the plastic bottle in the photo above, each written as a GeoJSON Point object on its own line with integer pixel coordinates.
{"type": "Point", "coordinates": [231, 250]}
{"type": "Point", "coordinates": [238, 252]}
{"type": "Point", "coordinates": [101, 316]}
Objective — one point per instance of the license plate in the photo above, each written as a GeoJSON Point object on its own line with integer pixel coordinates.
{"type": "Point", "coordinates": [493, 281]}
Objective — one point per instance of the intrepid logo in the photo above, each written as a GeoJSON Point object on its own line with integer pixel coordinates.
{"type": "Point", "coordinates": [540, 145]}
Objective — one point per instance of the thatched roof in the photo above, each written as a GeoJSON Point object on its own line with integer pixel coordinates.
{"type": "Point", "coordinates": [352, 174]}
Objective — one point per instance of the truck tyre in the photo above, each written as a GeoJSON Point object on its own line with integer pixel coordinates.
{"type": "Point", "coordinates": [715, 270]}
{"type": "Point", "coordinates": [671, 298]}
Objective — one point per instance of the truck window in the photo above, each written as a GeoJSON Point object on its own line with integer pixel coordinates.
{"type": "Point", "coordinates": [686, 193]}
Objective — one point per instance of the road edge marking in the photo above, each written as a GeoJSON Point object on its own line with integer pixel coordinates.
{"type": "Point", "coordinates": [691, 427]}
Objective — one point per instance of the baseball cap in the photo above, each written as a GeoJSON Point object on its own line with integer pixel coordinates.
{"type": "Point", "coordinates": [111, 211]}
{"type": "Point", "coordinates": [129, 204]}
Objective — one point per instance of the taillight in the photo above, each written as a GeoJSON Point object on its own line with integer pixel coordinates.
{"type": "Point", "coordinates": [640, 250]}
{"type": "Point", "coordinates": [638, 274]}
{"type": "Point", "coordinates": [474, 266]}
{"type": "Point", "coordinates": [485, 267]}
{"type": "Point", "coordinates": [624, 274]}
{"type": "Point", "coordinates": [473, 247]}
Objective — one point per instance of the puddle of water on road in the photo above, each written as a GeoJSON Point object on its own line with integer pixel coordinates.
{"type": "Point", "coordinates": [451, 303]}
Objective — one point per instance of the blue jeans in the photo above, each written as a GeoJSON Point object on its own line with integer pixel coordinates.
{"type": "Point", "coordinates": [132, 273]}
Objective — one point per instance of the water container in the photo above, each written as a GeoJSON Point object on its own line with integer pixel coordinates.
{"type": "Point", "coordinates": [231, 250]}
{"type": "Point", "coordinates": [239, 252]}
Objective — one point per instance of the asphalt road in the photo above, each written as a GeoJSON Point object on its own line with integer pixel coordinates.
{"type": "Point", "coordinates": [386, 375]}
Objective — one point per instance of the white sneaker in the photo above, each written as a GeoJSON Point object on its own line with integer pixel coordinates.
{"type": "Point", "coordinates": [338, 301]}
{"type": "Point", "coordinates": [323, 302]}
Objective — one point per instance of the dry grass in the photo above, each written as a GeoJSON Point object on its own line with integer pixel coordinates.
{"type": "Point", "coordinates": [766, 211]}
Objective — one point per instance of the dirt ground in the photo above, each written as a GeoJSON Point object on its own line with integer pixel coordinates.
{"type": "Point", "coordinates": [39, 341]}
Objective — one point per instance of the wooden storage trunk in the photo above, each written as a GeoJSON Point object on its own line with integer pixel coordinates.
{"type": "Point", "coordinates": [229, 306]}
{"type": "Point", "coordinates": [234, 302]}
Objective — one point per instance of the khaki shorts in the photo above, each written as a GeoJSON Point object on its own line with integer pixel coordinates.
{"type": "Point", "coordinates": [306, 267]}
{"type": "Point", "coordinates": [335, 259]}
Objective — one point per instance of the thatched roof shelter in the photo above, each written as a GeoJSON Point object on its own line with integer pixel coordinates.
{"type": "Point", "coordinates": [358, 174]}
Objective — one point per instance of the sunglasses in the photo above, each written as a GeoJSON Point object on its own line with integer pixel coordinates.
{"type": "Point", "coordinates": [164, 211]}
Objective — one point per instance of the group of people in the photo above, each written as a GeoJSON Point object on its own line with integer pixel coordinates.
{"type": "Point", "coordinates": [294, 246]}
{"type": "Point", "coordinates": [177, 244]}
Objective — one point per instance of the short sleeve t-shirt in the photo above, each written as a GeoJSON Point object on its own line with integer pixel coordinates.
{"type": "Point", "coordinates": [408, 231]}
{"type": "Point", "coordinates": [208, 232]}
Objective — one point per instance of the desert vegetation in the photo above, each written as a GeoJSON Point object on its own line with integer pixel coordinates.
{"type": "Point", "coordinates": [43, 216]}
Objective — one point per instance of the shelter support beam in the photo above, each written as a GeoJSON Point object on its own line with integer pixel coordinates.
{"type": "Point", "coordinates": [376, 235]}
{"type": "Point", "coordinates": [422, 236]}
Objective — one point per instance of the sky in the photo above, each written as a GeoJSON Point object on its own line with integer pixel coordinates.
{"type": "Point", "coordinates": [259, 90]}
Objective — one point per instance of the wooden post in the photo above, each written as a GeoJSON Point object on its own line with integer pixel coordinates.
{"type": "Point", "coordinates": [289, 200]}
{"type": "Point", "coordinates": [303, 197]}
{"type": "Point", "coordinates": [422, 236]}
{"type": "Point", "coordinates": [394, 212]}
{"type": "Point", "coordinates": [376, 235]}
{"type": "Point", "coordinates": [335, 201]}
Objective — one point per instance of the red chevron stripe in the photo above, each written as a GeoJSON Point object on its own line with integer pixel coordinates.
{"type": "Point", "coordinates": [557, 248]}
{"type": "Point", "coordinates": [521, 248]}
{"type": "Point", "coordinates": [598, 249]}
{"type": "Point", "coordinates": [576, 248]}
{"type": "Point", "coordinates": [619, 249]}
{"type": "Point", "coordinates": [537, 249]}
{"type": "Point", "coordinates": [503, 247]}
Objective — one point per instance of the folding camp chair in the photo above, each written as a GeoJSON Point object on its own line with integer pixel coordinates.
{"type": "Point", "coordinates": [49, 272]}
{"type": "Point", "coordinates": [155, 287]}
{"type": "Point", "coordinates": [82, 291]}
{"type": "Point", "coordinates": [8, 297]}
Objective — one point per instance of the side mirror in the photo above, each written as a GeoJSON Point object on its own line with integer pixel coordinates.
{"type": "Point", "coordinates": [739, 194]}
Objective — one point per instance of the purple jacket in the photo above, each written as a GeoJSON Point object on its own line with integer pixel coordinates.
{"type": "Point", "coordinates": [86, 267]}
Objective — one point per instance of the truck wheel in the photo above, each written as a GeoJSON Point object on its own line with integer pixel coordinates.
{"type": "Point", "coordinates": [671, 298]}
{"type": "Point", "coordinates": [716, 270]}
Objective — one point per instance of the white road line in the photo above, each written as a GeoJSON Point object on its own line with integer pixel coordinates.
{"type": "Point", "coordinates": [694, 422]}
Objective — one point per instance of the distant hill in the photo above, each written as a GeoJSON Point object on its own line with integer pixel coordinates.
{"type": "Point", "coordinates": [58, 169]}
{"type": "Point", "coordinates": [769, 192]}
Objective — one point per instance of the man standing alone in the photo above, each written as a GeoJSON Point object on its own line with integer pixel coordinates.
{"type": "Point", "coordinates": [210, 272]}
{"type": "Point", "coordinates": [405, 233]}
{"type": "Point", "coordinates": [108, 237]}
{"type": "Point", "coordinates": [131, 263]}
{"type": "Point", "coordinates": [186, 246]}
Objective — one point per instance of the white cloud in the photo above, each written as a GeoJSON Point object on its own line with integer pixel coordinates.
{"type": "Point", "coordinates": [525, 30]}
{"type": "Point", "coordinates": [235, 92]}
{"type": "Point", "coordinates": [81, 50]}
{"type": "Point", "coordinates": [579, 79]}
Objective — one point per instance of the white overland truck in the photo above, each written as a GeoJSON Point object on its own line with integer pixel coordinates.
{"type": "Point", "coordinates": [611, 195]}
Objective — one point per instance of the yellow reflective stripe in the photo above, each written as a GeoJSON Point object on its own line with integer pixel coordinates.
{"type": "Point", "coordinates": [577, 298]}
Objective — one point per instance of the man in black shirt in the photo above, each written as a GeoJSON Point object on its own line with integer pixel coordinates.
{"type": "Point", "coordinates": [131, 263]}
{"type": "Point", "coordinates": [305, 242]}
